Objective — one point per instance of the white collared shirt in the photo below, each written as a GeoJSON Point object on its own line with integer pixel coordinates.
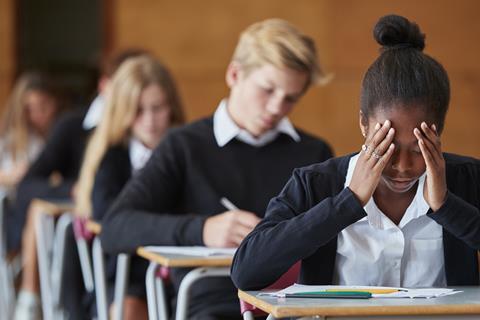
{"type": "Point", "coordinates": [375, 251]}
{"type": "Point", "coordinates": [139, 154]}
{"type": "Point", "coordinates": [94, 113]}
{"type": "Point", "coordinates": [7, 162]}
{"type": "Point", "coordinates": [225, 129]}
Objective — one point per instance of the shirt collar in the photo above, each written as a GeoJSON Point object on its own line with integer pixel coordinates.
{"type": "Point", "coordinates": [225, 129]}
{"type": "Point", "coordinates": [94, 113]}
{"type": "Point", "coordinates": [376, 218]}
{"type": "Point", "coordinates": [139, 154]}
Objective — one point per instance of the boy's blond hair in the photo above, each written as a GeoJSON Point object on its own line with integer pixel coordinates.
{"type": "Point", "coordinates": [279, 43]}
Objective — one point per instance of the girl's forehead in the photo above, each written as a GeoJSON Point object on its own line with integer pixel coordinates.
{"type": "Point", "coordinates": [402, 118]}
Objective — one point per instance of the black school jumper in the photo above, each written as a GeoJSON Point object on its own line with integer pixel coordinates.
{"type": "Point", "coordinates": [168, 202]}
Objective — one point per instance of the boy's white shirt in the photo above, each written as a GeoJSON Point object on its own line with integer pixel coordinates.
{"type": "Point", "coordinates": [225, 129]}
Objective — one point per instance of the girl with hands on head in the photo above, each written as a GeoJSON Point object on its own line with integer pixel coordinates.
{"type": "Point", "coordinates": [400, 212]}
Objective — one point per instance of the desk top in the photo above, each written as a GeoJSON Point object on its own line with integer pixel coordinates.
{"type": "Point", "coordinates": [52, 207]}
{"type": "Point", "coordinates": [466, 302]}
{"type": "Point", "coordinates": [178, 260]}
{"type": "Point", "coordinates": [93, 226]}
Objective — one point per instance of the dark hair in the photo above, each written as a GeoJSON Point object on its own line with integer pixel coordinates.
{"type": "Point", "coordinates": [403, 74]}
{"type": "Point", "coordinates": [113, 62]}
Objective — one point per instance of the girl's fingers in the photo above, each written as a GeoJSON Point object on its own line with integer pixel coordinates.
{"type": "Point", "coordinates": [382, 147]}
{"type": "Point", "coordinates": [431, 135]}
{"type": "Point", "coordinates": [428, 146]}
{"type": "Point", "coordinates": [383, 160]}
{"type": "Point", "coordinates": [380, 135]}
{"type": "Point", "coordinates": [376, 137]}
{"type": "Point", "coordinates": [427, 155]}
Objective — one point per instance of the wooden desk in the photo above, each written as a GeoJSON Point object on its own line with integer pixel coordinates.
{"type": "Point", "coordinates": [179, 260]}
{"type": "Point", "coordinates": [52, 208]}
{"type": "Point", "coordinates": [204, 267]}
{"type": "Point", "coordinates": [465, 305]}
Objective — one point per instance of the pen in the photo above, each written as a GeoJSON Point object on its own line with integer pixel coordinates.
{"type": "Point", "coordinates": [373, 290]}
{"type": "Point", "coordinates": [228, 204]}
{"type": "Point", "coordinates": [331, 294]}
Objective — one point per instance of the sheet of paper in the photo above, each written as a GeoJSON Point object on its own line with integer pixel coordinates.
{"type": "Point", "coordinates": [196, 251]}
{"type": "Point", "coordinates": [398, 292]}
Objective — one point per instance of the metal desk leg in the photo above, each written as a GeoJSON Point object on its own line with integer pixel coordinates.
{"type": "Point", "coordinates": [44, 229]}
{"type": "Point", "coordinates": [100, 282]}
{"type": "Point", "coordinates": [189, 280]}
{"type": "Point", "coordinates": [162, 300]}
{"type": "Point", "coordinates": [58, 257]}
{"type": "Point", "coordinates": [85, 264]}
{"type": "Point", "coordinates": [247, 315]}
{"type": "Point", "coordinates": [151, 292]}
{"type": "Point", "coordinates": [121, 282]}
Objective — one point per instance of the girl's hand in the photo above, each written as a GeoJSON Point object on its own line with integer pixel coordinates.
{"type": "Point", "coordinates": [435, 189]}
{"type": "Point", "coordinates": [375, 154]}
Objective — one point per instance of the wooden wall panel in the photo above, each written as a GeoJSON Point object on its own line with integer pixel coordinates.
{"type": "Point", "coordinates": [7, 49]}
{"type": "Point", "coordinates": [196, 39]}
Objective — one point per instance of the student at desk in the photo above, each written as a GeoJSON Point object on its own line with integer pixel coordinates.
{"type": "Point", "coordinates": [141, 104]}
{"type": "Point", "coordinates": [244, 152]}
{"type": "Point", "coordinates": [61, 157]}
{"type": "Point", "coordinates": [398, 213]}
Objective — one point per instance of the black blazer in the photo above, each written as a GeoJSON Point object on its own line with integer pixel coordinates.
{"type": "Point", "coordinates": [63, 153]}
{"type": "Point", "coordinates": [302, 224]}
{"type": "Point", "coordinates": [112, 175]}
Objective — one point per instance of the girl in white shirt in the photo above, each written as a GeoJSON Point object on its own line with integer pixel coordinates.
{"type": "Point", "coordinates": [141, 104]}
{"type": "Point", "coordinates": [28, 117]}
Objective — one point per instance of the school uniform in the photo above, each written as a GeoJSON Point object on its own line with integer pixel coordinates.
{"type": "Point", "coordinates": [183, 182]}
{"type": "Point", "coordinates": [317, 220]}
{"type": "Point", "coordinates": [7, 161]}
{"type": "Point", "coordinates": [63, 154]}
{"type": "Point", "coordinates": [118, 165]}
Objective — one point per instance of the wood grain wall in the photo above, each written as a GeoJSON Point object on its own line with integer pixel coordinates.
{"type": "Point", "coordinates": [7, 49]}
{"type": "Point", "coordinates": [196, 39]}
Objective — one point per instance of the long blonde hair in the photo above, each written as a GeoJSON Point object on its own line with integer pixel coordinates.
{"type": "Point", "coordinates": [121, 107]}
{"type": "Point", "coordinates": [15, 127]}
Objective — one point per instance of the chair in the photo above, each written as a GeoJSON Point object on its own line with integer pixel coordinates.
{"type": "Point", "coordinates": [288, 278]}
{"type": "Point", "coordinates": [98, 283]}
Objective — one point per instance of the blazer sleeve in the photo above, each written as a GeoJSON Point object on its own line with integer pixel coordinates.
{"type": "Point", "coordinates": [144, 212]}
{"type": "Point", "coordinates": [54, 157]}
{"type": "Point", "coordinates": [306, 215]}
{"type": "Point", "coordinates": [460, 213]}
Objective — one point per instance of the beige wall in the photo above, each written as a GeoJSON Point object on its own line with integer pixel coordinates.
{"type": "Point", "coordinates": [7, 45]}
{"type": "Point", "coordinates": [196, 38]}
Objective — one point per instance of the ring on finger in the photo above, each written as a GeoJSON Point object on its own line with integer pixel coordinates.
{"type": "Point", "coordinates": [376, 155]}
{"type": "Point", "coordinates": [365, 148]}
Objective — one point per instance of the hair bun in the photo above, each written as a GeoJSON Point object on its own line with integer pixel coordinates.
{"type": "Point", "coordinates": [394, 31]}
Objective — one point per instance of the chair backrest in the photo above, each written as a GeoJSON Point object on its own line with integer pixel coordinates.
{"type": "Point", "coordinates": [287, 279]}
